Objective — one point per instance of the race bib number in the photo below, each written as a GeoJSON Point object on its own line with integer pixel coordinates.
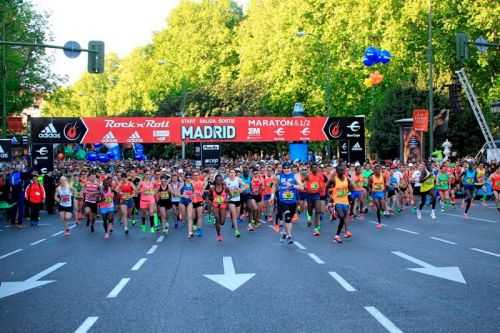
{"type": "Point", "coordinates": [288, 195]}
{"type": "Point", "coordinates": [219, 199]}
{"type": "Point", "coordinates": [341, 194]}
{"type": "Point", "coordinates": [65, 199]}
{"type": "Point", "coordinates": [378, 187]}
{"type": "Point", "coordinates": [164, 195]}
{"type": "Point", "coordinates": [469, 181]}
{"type": "Point", "coordinates": [314, 186]}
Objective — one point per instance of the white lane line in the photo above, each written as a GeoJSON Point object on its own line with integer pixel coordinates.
{"type": "Point", "coordinates": [160, 239]}
{"type": "Point", "coordinates": [152, 249]}
{"type": "Point", "coordinates": [86, 325]}
{"type": "Point", "coordinates": [300, 246]}
{"type": "Point", "coordinates": [72, 226]}
{"type": "Point", "coordinates": [38, 241]}
{"type": "Point", "coordinates": [473, 249]}
{"type": "Point", "coordinates": [139, 264]}
{"type": "Point", "coordinates": [10, 253]}
{"type": "Point", "coordinates": [471, 218]}
{"type": "Point", "coordinates": [57, 234]}
{"type": "Point", "coordinates": [443, 240]}
{"type": "Point", "coordinates": [316, 258]}
{"type": "Point", "coordinates": [342, 282]}
{"type": "Point", "coordinates": [383, 320]}
{"type": "Point", "coordinates": [118, 288]}
{"type": "Point", "coordinates": [407, 231]}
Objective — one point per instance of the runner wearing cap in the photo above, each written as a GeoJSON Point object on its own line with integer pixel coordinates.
{"type": "Point", "coordinates": [287, 184]}
{"type": "Point", "coordinates": [377, 186]}
{"type": "Point", "coordinates": [314, 182]}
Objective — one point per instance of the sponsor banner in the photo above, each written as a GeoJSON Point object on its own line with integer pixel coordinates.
{"type": "Point", "coordinates": [5, 150]}
{"type": "Point", "coordinates": [42, 156]}
{"type": "Point", "coordinates": [57, 130]}
{"type": "Point", "coordinates": [195, 129]}
{"type": "Point", "coordinates": [210, 155]}
{"type": "Point", "coordinates": [421, 120]}
{"type": "Point", "coordinates": [132, 130]}
{"type": "Point", "coordinates": [412, 145]}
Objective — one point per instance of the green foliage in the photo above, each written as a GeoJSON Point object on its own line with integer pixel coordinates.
{"type": "Point", "coordinates": [225, 62]}
{"type": "Point", "coordinates": [27, 69]}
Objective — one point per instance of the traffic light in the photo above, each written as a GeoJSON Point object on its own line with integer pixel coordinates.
{"type": "Point", "coordinates": [95, 63]}
{"type": "Point", "coordinates": [462, 46]}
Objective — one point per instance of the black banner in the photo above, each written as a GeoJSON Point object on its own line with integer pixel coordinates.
{"type": "Point", "coordinates": [210, 155]}
{"type": "Point", "coordinates": [57, 130]}
{"type": "Point", "coordinates": [5, 150]}
{"type": "Point", "coordinates": [42, 156]}
{"type": "Point", "coordinates": [350, 131]}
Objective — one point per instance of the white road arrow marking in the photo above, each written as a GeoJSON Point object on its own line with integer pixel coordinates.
{"type": "Point", "coordinates": [12, 288]}
{"type": "Point", "coordinates": [229, 279]}
{"type": "Point", "coordinates": [447, 273]}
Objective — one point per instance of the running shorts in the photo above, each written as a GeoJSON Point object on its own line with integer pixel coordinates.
{"type": "Point", "coordinates": [165, 203]}
{"type": "Point", "coordinates": [342, 209]}
{"type": "Point", "coordinates": [378, 195]}
{"type": "Point", "coordinates": [355, 195]}
{"type": "Point", "coordinates": [286, 212]}
{"type": "Point", "coordinates": [65, 209]}
{"type": "Point", "coordinates": [104, 211]}
{"type": "Point", "coordinates": [92, 206]}
{"type": "Point", "coordinates": [256, 197]}
{"type": "Point", "coordinates": [127, 202]}
{"type": "Point", "coordinates": [236, 203]}
{"type": "Point", "coordinates": [145, 203]}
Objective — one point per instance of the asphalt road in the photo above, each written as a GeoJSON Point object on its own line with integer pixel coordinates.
{"type": "Point", "coordinates": [378, 281]}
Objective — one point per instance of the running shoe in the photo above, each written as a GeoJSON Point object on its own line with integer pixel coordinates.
{"type": "Point", "coordinates": [195, 227]}
{"type": "Point", "coordinates": [276, 228]}
{"type": "Point", "coordinates": [219, 238]}
{"type": "Point", "coordinates": [466, 216]}
{"type": "Point", "coordinates": [165, 231]}
{"type": "Point", "coordinates": [379, 226]}
{"type": "Point", "coordinates": [176, 225]}
{"type": "Point", "coordinates": [348, 234]}
{"type": "Point", "coordinates": [309, 224]}
{"type": "Point", "coordinates": [289, 239]}
{"type": "Point", "coordinates": [433, 214]}
{"type": "Point", "coordinates": [133, 221]}
{"type": "Point", "coordinates": [250, 227]}
{"type": "Point", "coordinates": [92, 229]}
{"type": "Point", "coordinates": [337, 239]}
{"type": "Point", "coordinates": [152, 230]}
{"type": "Point", "coordinates": [143, 228]}
{"type": "Point", "coordinates": [126, 231]}
{"type": "Point", "coordinates": [257, 225]}
{"type": "Point", "coordinates": [199, 232]}
{"type": "Point", "coordinates": [282, 236]}
{"type": "Point", "coordinates": [190, 235]}
{"type": "Point", "coordinates": [106, 236]}
{"type": "Point", "coordinates": [237, 234]}
{"type": "Point", "coordinates": [419, 214]}
{"type": "Point", "coordinates": [308, 219]}
{"type": "Point", "coordinates": [316, 232]}
{"type": "Point", "coordinates": [66, 232]}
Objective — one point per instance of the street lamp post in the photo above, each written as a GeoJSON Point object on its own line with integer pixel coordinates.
{"type": "Point", "coordinates": [431, 79]}
{"type": "Point", "coordinates": [4, 85]}
{"type": "Point", "coordinates": [183, 103]}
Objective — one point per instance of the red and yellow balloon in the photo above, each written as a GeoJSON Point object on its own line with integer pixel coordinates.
{"type": "Point", "coordinates": [374, 80]}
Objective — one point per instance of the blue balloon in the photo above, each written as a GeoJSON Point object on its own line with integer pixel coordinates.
{"type": "Point", "coordinates": [139, 157]}
{"type": "Point", "coordinates": [385, 56]}
{"type": "Point", "coordinates": [372, 54]}
{"type": "Point", "coordinates": [367, 62]}
{"type": "Point", "coordinates": [115, 153]}
{"type": "Point", "coordinates": [91, 156]}
{"type": "Point", "coordinates": [138, 147]}
{"type": "Point", "coordinates": [97, 146]}
{"type": "Point", "coordinates": [110, 154]}
{"type": "Point", "coordinates": [103, 158]}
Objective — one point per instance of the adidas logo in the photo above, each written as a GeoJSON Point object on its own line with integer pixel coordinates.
{"type": "Point", "coordinates": [1, 150]}
{"type": "Point", "coordinates": [356, 147]}
{"type": "Point", "coordinates": [135, 137]}
{"type": "Point", "coordinates": [109, 138]}
{"type": "Point", "coordinates": [49, 132]}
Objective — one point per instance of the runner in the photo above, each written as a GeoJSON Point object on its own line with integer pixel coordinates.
{"type": "Point", "coordinates": [377, 186]}
{"type": "Point", "coordinates": [341, 186]}
{"type": "Point", "coordinates": [64, 199]}
{"type": "Point", "coordinates": [219, 197]}
{"type": "Point", "coordinates": [91, 195]}
{"type": "Point", "coordinates": [443, 186]}
{"type": "Point", "coordinates": [427, 180]}
{"type": "Point", "coordinates": [77, 189]}
{"type": "Point", "coordinates": [314, 182]}
{"type": "Point", "coordinates": [147, 201]}
{"type": "Point", "coordinates": [357, 193]}
{"type": "Point", "coordinates": [469, 179]}
{"type": "Point", "coordinates": [256, 189]}
{"type": "Point", "coordinates": [481, 177]}
{"type": "Point", "coordinates": [495, 182]}
{"type": "Point", "coordinates": [268, 191]}
{"type": "Point", "coordinates": [186, 204]}
{"type": "Point", "coordinates": [287, 184]}
{"type": "Point", "coordinates": [106, 207]}
{"type": "Point", "coordinates": [164, 203]}
{"type": "Point", "coordinates": [175, 189]}
{"type": "Point", "coordinates": [199, 186]}
{"type": "Point", "coordinates": [125, 191]}
{"type": "Point", "coordinates": [234, 185]}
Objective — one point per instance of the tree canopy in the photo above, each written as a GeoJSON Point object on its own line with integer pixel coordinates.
{"type": "Point", "coordinates": [227, 62]}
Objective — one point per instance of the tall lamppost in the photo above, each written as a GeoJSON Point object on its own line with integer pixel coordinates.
{"type": "Point", "coordinates": [431, 83]}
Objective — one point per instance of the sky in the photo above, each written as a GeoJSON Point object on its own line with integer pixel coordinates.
{"type": "Point", "coordinates": [121, 24]}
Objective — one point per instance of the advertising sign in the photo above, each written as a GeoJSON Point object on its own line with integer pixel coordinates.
{"type": "Point", "coordinates": [57, 130]}
{"type": "Point", "coordinates": [210, 155]}
{"type": "Point", "coordinates": [43, 157]}
{"type": "Point", "coordinates": [421, 120]}
{"type": "Point", "coordinates": [5, 150]}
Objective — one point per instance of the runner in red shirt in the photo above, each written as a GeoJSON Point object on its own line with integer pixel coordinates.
{"type": "Point", "coordinates": [256, 189]}
{"type": "Point", "coordinates": [125, 191]}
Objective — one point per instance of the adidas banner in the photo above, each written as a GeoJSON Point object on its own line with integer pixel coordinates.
{"type": "Point", "coordinates": [42, 157]}
{"type": "Point", "coordinates": [5, 152]}
{"type": "Point", "coordinates": [57, 130]}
